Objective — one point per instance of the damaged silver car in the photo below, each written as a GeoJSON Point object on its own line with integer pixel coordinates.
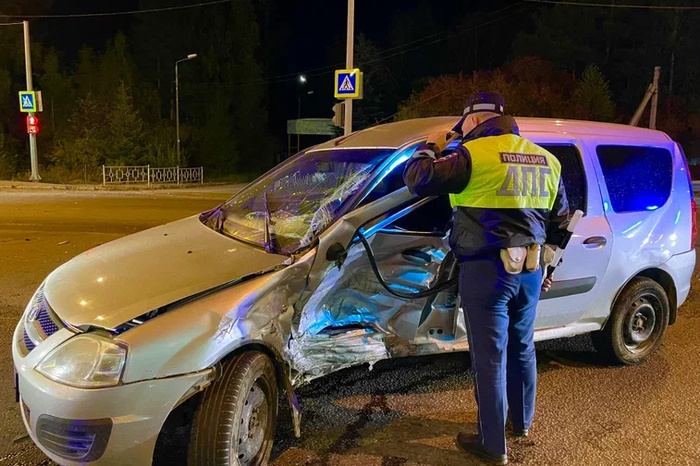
{"type": "Point", "coordinates": [324, 263]}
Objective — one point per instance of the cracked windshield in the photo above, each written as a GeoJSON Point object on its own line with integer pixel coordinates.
{"type": "Point", "coordinates": [300, 198]}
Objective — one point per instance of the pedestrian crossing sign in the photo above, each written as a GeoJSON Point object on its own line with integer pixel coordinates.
{"type": "Point", "coordinates": [348, 84]}
{"type": "Point", "coordinates": [27, 101]}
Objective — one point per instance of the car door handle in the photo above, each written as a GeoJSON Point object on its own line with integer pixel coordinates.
{"type": "Point", "coordinates": [595, 242]}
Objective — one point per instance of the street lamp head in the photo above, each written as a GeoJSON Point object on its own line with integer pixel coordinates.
{"type": "Point", "coordinates": [191, 56]}
{"type": "Point", "coordinates": [302, 79]}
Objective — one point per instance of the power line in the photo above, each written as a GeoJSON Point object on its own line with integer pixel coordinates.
{"type": "Point", "coordinates": [408, 108]}
{"type": "Point", "coordinates": [115, 13]}
{"type": "Point", "coordinates": [10, 24]}
{"type": "Point", "coordinates": [323, 70]}
{"type": "Point", "coordinates": [615, 5]}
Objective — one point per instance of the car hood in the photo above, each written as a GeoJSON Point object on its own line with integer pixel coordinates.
{"type": "Point", "coordinates": [113, 283]}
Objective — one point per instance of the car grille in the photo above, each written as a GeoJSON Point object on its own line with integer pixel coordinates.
{"type": "Point", "coordinates": [40, 324]}
{"type": "Point", "coordinates": [82, 441]}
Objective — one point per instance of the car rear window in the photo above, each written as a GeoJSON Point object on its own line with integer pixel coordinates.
{"type": "Point", "coordinates": [638, 178]}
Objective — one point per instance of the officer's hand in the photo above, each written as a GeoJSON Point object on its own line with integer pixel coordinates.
{"type": "Point", "coordinates": [547, 284]}
{"type": "Point", "coordinates": [440, 140]}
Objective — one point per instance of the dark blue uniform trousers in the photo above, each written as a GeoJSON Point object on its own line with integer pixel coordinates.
{"type": "Point", "coordinates": [500, 316]}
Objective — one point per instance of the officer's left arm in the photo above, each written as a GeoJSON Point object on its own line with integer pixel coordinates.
{"type": "Point", "coordinates": [558, 216]}
{"type": "Point", "coordinates": [427, 175]}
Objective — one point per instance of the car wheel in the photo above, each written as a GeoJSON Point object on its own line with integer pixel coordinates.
{"type": "Point", "coordinates": [637, 322]}
{"type": "Point", "coordinates": [235, 422]}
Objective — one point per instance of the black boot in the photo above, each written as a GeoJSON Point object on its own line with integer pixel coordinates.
{"type": "Point", "coordinates": [472, 444]}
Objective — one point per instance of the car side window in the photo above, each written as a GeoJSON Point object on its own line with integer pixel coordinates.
{"type": "Point", "coordinates": [638, 178]}
{"type": "Point", "coordinates": [431, 217]}
{"type": "Point", "coordinates": [391, 182]}
{"type": "Point", "coordinates": [572, 174]}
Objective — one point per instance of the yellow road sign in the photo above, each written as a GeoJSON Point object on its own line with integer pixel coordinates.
{"type": "Point", "coordinates": [27, 101]}
{"type": "Point", "coordinates": [348, 84]}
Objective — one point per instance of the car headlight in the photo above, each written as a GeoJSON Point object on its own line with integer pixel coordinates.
{"type": "Point", "coordinates": [85, 361]}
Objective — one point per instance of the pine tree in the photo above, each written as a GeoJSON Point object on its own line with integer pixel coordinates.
{"type": "Point", "coordinates": [58, 94]}
{"type": "Point", "coordinates": [126, 139]}
{"type": "Point", "coordinates": [592, 97]}
{"type": "Point", "coordinates": [84, 142]}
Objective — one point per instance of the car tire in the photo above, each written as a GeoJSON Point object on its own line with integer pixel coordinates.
{"type": "Point", "coordinates": [235, 422]}
{"type": "Point", "coordinates": [637, 322]}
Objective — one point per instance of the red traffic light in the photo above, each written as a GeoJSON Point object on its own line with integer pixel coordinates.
{"type": "Point", "coordinates": [32, 124]}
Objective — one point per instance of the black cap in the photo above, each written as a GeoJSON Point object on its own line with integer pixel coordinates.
{"type": "Point", "coordinates": [485, 102]}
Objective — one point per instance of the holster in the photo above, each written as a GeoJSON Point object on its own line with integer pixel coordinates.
{"type": "Point", "coordinates": [518, 258]}
{"type": "Point", "coordinates": [514, 259]}
{"type": "Point", "coordinates": [532, 261]}
{"type": "Point", "coordinates": [547, 256]}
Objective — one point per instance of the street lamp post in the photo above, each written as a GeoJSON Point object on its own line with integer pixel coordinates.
{"type": "Point", "coordinates": [299, 117]}
{"type": "Point", "coordinates": [177, 104]}
{"type": "Point", "coordinates": [299, 103]}
{"type": "Point", "coordinates": [302, 81]}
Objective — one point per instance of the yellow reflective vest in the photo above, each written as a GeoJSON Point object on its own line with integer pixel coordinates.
{"type": "Point", "coordinates": [509, 172]}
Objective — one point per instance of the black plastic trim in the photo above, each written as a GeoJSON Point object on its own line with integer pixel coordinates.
{"type": "Point", "coordinates": [62, 436]}
{"type": "Point", "coordinates": [563, 288]}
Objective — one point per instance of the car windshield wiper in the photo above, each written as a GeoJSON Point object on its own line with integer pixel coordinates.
{"type": "Point", "coordinates": [270, 239]}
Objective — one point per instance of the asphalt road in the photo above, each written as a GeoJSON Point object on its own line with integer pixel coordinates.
{"type": "Point", "coordinates": [403, 412]}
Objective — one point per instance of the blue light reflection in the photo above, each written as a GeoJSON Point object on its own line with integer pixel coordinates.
{"type": "Point", "coordinates": [627, 230]}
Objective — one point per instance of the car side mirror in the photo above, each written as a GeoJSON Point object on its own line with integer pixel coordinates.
{"type": "Point", "coordinates": [337, 253]}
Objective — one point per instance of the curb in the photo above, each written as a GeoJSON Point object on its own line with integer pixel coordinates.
{"type": "Point", "coordinates": [32, 186]}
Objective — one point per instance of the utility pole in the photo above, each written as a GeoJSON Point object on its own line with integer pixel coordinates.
{"type": "Point", "coordinates": [654, 98]}
{"type": "Point", "coordinates": [349, 62]}
{"type": "Point", "coordinates": [652, 94]}
{"type": "Point", "coordinates": [30, 87]}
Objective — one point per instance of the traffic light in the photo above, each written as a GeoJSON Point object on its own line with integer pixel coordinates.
{"type": "Point", "coordinates": [339, 114]}
{"type": "Point", "coordinates": [32, 124]}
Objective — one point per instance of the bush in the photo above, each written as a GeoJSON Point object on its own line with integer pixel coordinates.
{"type": "Point", "coordinates": [8, 159]}
{"type": "Point", "coordinates": [63, 175]}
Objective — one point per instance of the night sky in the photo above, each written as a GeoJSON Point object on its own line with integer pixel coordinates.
{"type": "Point", "coordinates": [312, 27]}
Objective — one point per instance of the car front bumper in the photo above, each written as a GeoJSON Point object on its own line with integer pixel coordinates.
{"type": "Point", "coordinates": [116, 425]}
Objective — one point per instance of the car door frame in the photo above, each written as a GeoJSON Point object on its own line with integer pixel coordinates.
{"type": "Point", "coordinates": [579, 279]}
{"type": "Point", "coordinates": [630, 258]}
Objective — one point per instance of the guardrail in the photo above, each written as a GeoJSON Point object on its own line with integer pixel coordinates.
{"type": "Point", "coordinates": [144, 174]}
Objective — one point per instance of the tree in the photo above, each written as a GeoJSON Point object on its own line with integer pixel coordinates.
{"type": "Point", "coordinates": [592, 99]}
{"type": "Point", "coordinates": [116, 68]}
{"type": "Point", "coordinates": [626, 44]}
{"type": "Point", "coordinates": [8, 158]}
{"type": "Point", "coordinates": [57, 93]}
{"type": "Point", "coordinates": [125, 137]}
{"type": "Point", "coordinates": [370, 109]}
{"type": "Point", "coordinates": [84, 142]}
{"type": "Point", "coordinates": [530, 86]}
{"type": "Point", "coordinates": [223, 113]}
{"type": "Point", "coordinates": [86, 77]}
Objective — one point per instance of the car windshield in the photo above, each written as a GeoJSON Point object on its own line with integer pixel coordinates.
{"type": "Point", "coordinates": [297, 200]}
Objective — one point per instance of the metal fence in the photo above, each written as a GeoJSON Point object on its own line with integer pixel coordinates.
{"type": "Point", "coordinates": [144, 174]}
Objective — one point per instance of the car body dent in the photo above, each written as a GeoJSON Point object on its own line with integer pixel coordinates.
{"type": "Point", "coordinates": [200, 333]}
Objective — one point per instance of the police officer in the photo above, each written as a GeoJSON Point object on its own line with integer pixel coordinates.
{"type": "Point", "coordinates": [508, 199]}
